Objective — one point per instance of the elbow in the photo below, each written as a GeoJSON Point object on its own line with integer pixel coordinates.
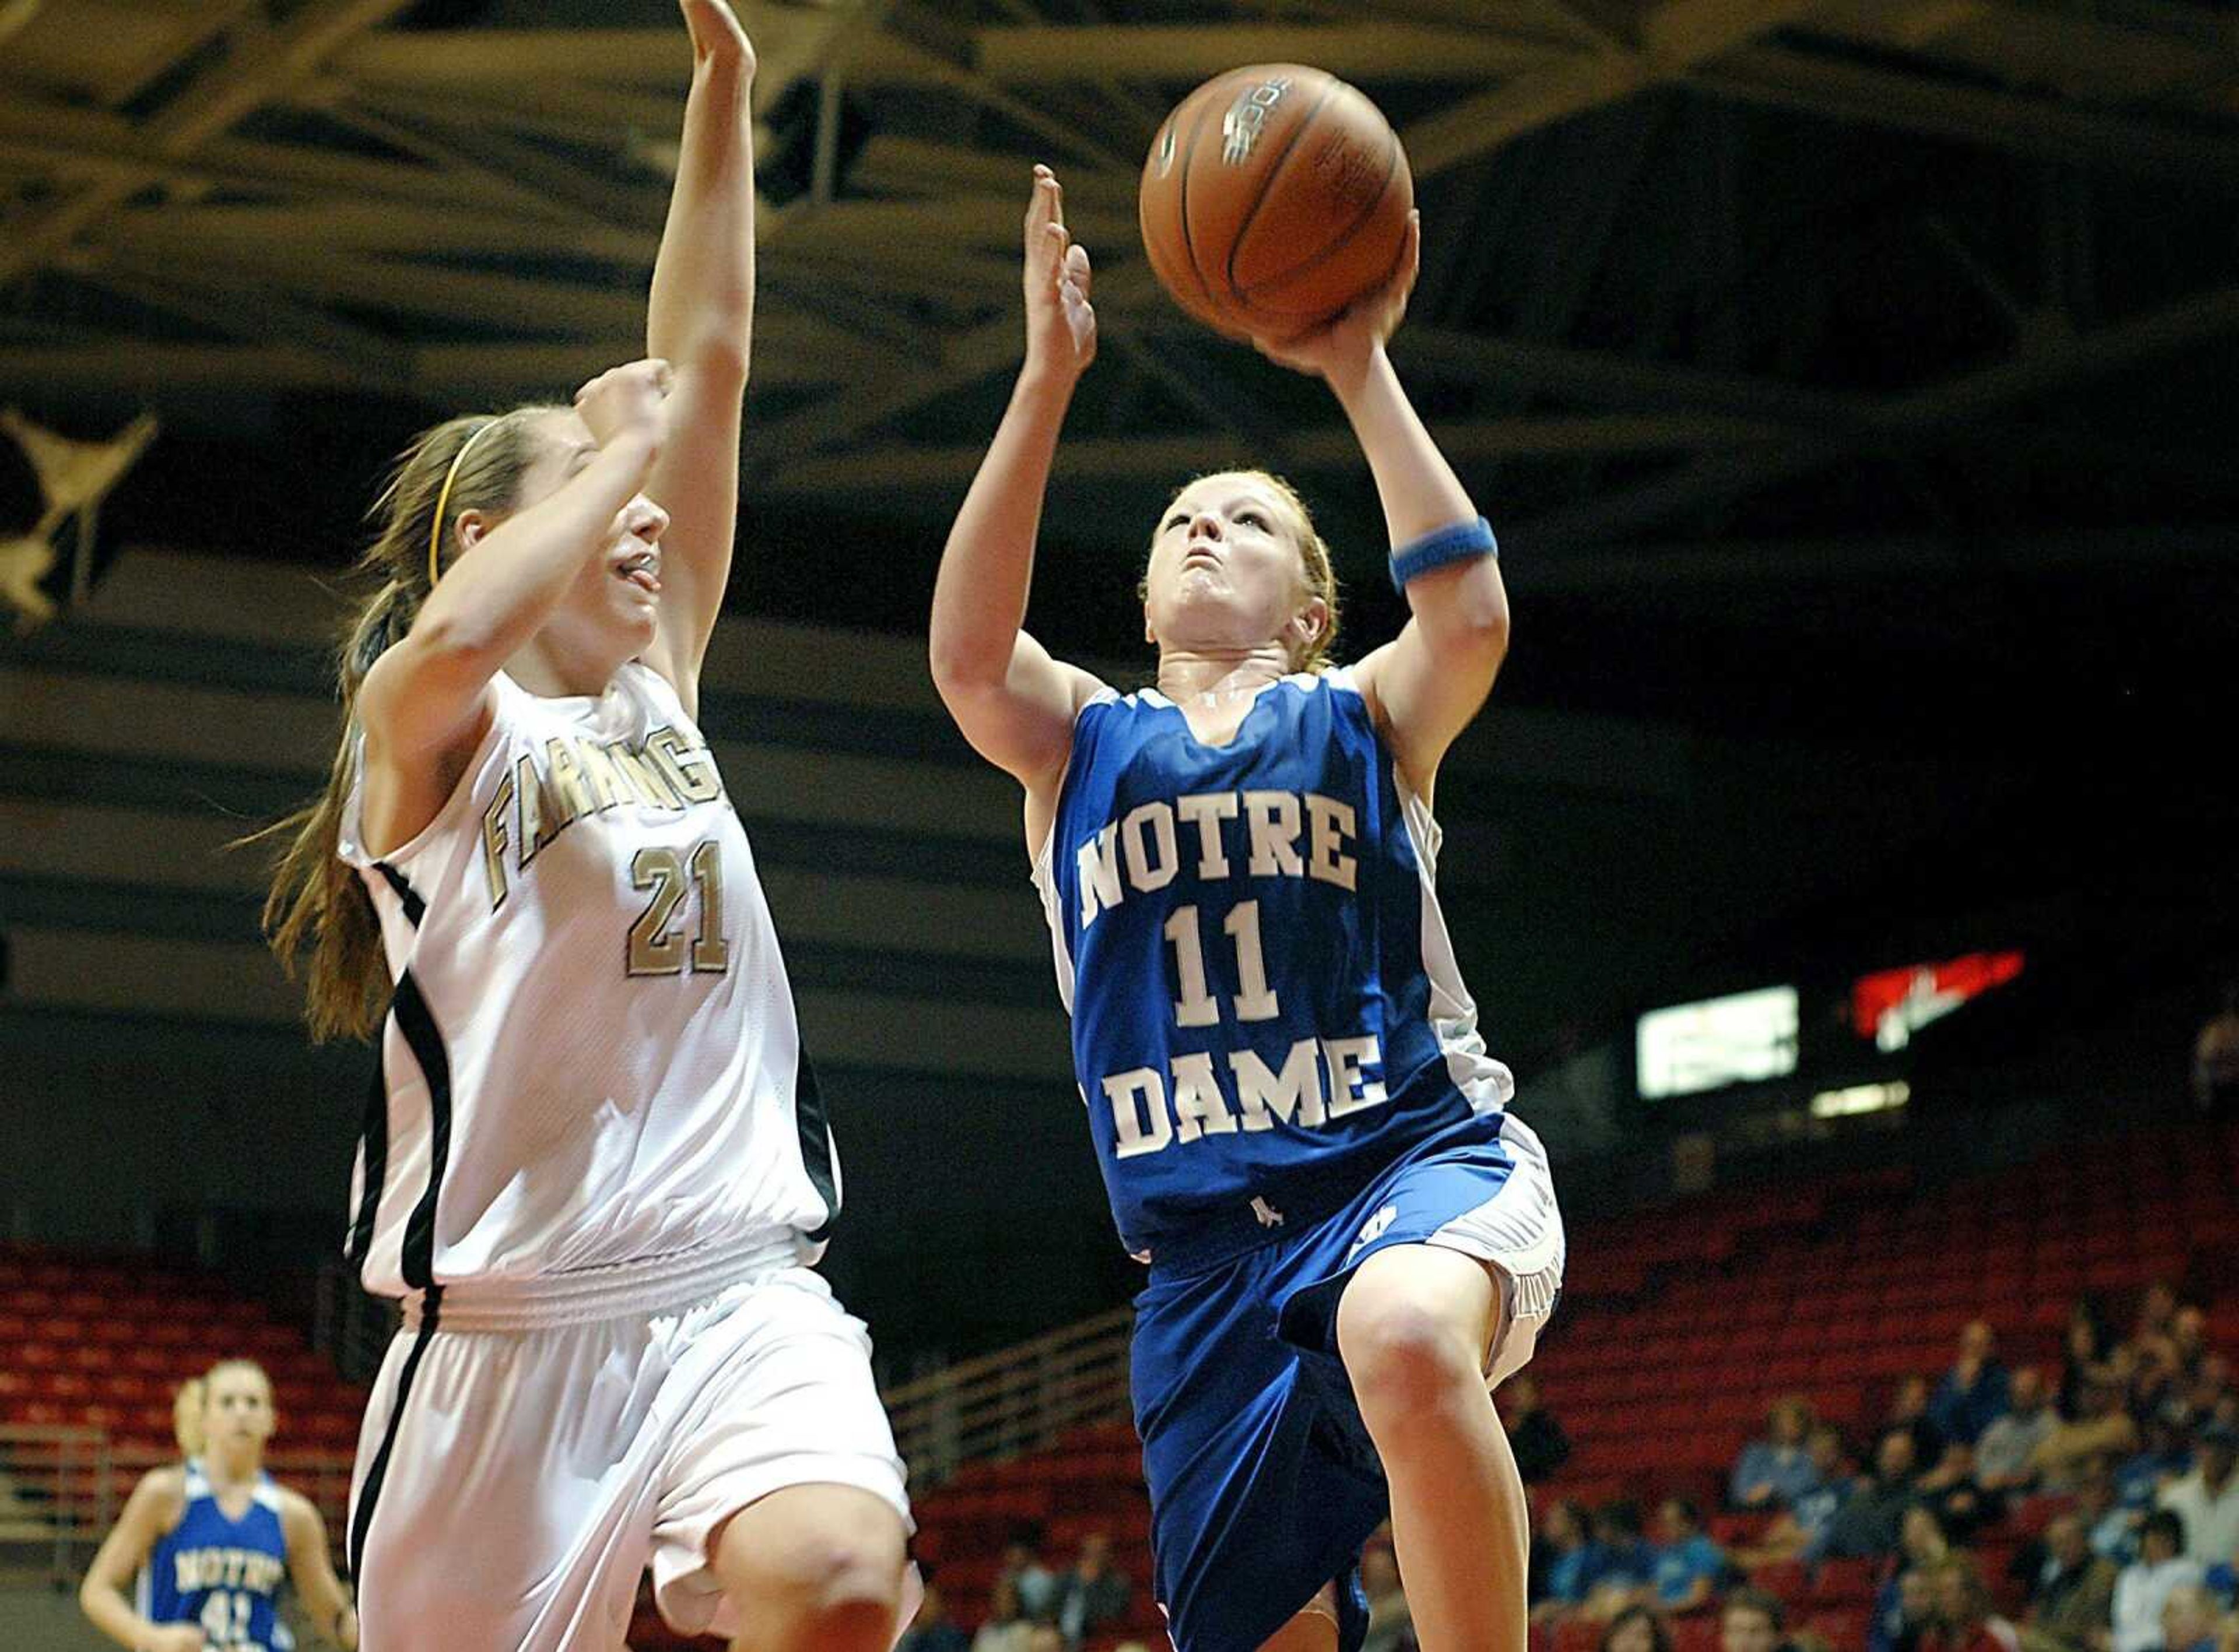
{"type": "Point", "coordinates": [960, 669]}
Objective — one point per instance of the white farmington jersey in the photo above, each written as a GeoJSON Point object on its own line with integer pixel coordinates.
{"type": "Point", "coordinates": [591, 1075]}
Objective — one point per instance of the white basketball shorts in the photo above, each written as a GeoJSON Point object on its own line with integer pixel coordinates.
{"type": "Point", "coordinates": [513, 1483]}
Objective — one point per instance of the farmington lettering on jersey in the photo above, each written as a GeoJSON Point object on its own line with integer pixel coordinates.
{"type": "Point", "coordinates": [1248, 833]}
{"type": "Point", "coordinates": [535, 804]}
{"type": "Point", "coordinates": [1320, 1079]}
{"type": "Point", "coordinates": [253, 1570]}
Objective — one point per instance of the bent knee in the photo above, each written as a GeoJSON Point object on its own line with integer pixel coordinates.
{"type": "Point", "coordinates": [841, 1568]}
{"type": "Point", "coordinates": [1405, 1355]}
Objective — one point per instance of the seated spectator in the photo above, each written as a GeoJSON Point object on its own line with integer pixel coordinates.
{"type": "Point", "coordinates": [2216, 1057]}
{"type": "Point", "coordinates": [931, 1629]}
{"type": "Point", "coordinates": [1568, 1562]}
{"type": "Point", "coordinates": [2088, 1345]}
{"type": "Point", "coordinates": [2001, 1456]}
{"type": "Point", "coordinates": [1534, 1436]}
{"type": "Point", "coordinates": [2189, 1342]}
{"type": "Point", "coordinates": [1773, 1472]}
{"type": "Point", "coordinates": [1865, 1528]}
{"type": "Point", "coordinates": [1687, 1564]}
{"type": "Point", "coordinates": [1022, 1564]}
{"type": "Point", "coordinates": [1628, 1566]}
{"type": "Point", "coordinates": [1959, 1499]}
{"type": "Point", "coordinates": [2208, 1498]}
{"type": "Point", "coordinates": [2071, 1597]}
{"type": "Point", "coordinates": [1092, 1594]}
{"type": "Point", "coordinates": [1796, 1531]}
{"type": "Point", "coordinates": [1904, 1612]}
{"type": "Point", "coordinates": [2112, 1528]}
{"type": "Point", "coordinates": [2207, 1396]}
{"type": "Point", "coordinates": [1964, 1620]}
{"type": "Point", "coordinates": [2156, 1312]}
{"type": "Point", "coordinates": [1974, 1392]}
{"type": "Point", "coordinates": [1900, 1618]}
{"type": "Point", "coordinates": [1391, 1623]}
{"type": "Point", "coordinates": [2101, 1428]}
{"type": "Point", "coordinates": [1007, 1627]}
{"type": "Point", "coordinates": [2162, 1458]}
{"type": "Point", "coordinates": [1909, 1411]}
{"type": "Point", "coordinates": [1635, 1629]}
{"type": "Point", "coordinates": [1749, 1620]}
{"type": "Point", "coordinates": [2188, 1620]}
{"type": "Point", "coordinates": [2144, 1587]}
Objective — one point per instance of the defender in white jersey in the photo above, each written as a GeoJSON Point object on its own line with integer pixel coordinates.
{"type": "Point", "coordinates": [594, 1167]}
{"type": "Point", "coordinates": [1300, 1128]}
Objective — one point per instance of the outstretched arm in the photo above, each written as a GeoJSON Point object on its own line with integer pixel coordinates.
{"type": "Point", "coordinates": [700, 320]}
{"type": "Point", "coordinates": [1427, 683]}
{"type": "Point", "coordinates": [1012, 700]}
{"type": "Point", "coordinates": [312, 1571]}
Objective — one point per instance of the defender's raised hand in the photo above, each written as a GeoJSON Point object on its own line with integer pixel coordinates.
{"type": "Point", "coordinates": [1060, 321]}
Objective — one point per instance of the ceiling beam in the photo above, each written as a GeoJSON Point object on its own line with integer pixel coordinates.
{"type": "Point", "coordinates": [1785, 77]}
{"type": "Point", "coordinates": [905, 465]}
{"type": "Point", "coordinates": [273, 64]}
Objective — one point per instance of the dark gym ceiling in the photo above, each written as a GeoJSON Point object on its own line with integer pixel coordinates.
{"type": "Point", "coordinates": [1854, 369]}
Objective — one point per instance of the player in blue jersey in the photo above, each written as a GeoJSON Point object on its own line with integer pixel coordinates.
{"type": "Point", "coordinates": [206, 1544]}
{"type": "Point", "coordinates": [1298, 1126]}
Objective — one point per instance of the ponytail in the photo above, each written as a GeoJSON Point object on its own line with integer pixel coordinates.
{"type": "Point", "coordinates": [316, 901]}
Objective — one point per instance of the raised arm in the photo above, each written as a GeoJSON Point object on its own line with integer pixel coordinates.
{"type": "Point", "coordinates": [1013, 701]}
{"type": "Point", "coordinates": [701, 319]}
{"type": "Point", "coordinates": [428, 697]}
{"type": "Point", "coordinates": [311, 1568]}
{"type": "Point", "coordinates": [151, 1510]}
{"type": "Point", "coordinates": [1426, 684]}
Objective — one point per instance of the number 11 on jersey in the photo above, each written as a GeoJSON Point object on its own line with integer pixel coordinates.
{"type": "Point", "coordinates": [1196, 1007]}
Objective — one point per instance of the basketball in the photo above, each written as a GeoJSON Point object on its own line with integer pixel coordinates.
{"type": "Point", "coordinates": [1273, 197]}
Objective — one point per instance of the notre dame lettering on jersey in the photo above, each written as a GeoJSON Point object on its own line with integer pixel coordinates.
{"type": "Point", "coordinates": [220, 1574]}
{"type": "Point", "coordinates": [593, 1059]}
{"type": "Point", "coordinates": [1264, 997]}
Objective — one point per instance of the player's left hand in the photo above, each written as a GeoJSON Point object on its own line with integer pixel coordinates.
{"type": "Point", "coordinates": [717, 36]}
{"type": "Point", "coordinates": [1341, 350]}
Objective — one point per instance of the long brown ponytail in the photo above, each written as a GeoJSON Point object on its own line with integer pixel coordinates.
{"type": "Point", "coordinates": [316, 901]}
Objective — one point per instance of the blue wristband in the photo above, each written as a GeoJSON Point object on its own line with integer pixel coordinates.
{"type": "Point", "coordinates": [1439, 547]}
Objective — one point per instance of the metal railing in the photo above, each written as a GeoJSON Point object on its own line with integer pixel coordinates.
{"type": "Point", "coordinates": [57, 1496]}
{"type": "Point", "coordinates": [61, 1489]}
{"type": "Point", "coordinates": [1022, 1399]}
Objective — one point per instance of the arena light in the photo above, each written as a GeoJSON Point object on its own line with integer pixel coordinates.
{"type": "Point", "coordinates": [1861, 1098]}
{"type": "Point", "coordinates": [1739, 1039]}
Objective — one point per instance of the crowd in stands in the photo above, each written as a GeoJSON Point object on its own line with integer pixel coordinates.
{"type": "Point", "coordinates": [2121, 1469]}
{"type": "Point", "coordinates": [2090, 1509]}
{"type": "Point", "coordinates": [1032, 1608]}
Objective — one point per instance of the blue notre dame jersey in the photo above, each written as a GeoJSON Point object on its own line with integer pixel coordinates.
{"type": "Point", "coordinates": [222, 1574]}
{"type": "Point", "coordinates": [1266, 1009]}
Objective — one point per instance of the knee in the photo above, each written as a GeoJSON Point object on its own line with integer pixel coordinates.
{"type": "Point", "coordinates": [1406, 1360]}
{"type": "Point", "coordinates": [841, 1585]}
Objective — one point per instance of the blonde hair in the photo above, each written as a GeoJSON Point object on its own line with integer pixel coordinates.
{"type": "Point", "coordinates": [192, 1400]}
{"type": "Point", "coordinates": [1313, 555]}
{"type": "Point", "coordinates": [316, 902]}
{"type": "Point", "coordinates": [187, 1416]}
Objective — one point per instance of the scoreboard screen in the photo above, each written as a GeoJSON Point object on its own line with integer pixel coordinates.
{"type": "Point", "coordinates": [1740, 1038]}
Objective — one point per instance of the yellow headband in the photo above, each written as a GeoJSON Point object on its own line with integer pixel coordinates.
{"type": "Point", "coordinates": [443, 500]}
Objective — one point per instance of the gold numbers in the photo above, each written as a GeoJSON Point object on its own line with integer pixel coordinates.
{"type": "Point", "coordinates": [653, 948]}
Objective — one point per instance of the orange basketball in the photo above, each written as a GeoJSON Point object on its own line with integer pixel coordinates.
{"type": "Point", "coordinates": [1273, 197]}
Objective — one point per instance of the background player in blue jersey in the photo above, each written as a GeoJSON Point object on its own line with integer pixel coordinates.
{"type": "Point", "coordinates": [204, 1545]}
{"type": "Point", "coordinates": [1298, 1126]}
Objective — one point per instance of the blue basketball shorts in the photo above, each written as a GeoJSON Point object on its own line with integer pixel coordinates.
{"type": "Point", "coordinates": [1263, 1483]}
